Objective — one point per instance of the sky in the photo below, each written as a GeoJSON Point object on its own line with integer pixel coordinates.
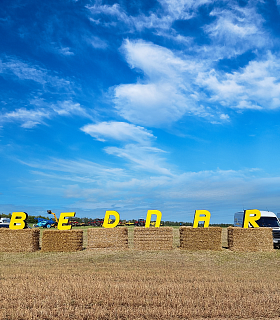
{"type": "Point", "coordinates": [170, 105]}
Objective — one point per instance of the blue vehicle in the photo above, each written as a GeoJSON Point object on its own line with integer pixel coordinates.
{"type": "Point", "coordinates": [44, 223]}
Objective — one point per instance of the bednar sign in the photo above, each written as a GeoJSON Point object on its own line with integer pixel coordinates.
{"type": "Point", "coordinates": [18, 219]}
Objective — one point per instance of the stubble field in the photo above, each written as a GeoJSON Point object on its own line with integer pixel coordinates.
{"type": "Point", "coordinates": [132, 284]}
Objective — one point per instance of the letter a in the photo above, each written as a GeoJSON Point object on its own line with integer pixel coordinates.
{"type": "Point", "coordinates": [201, 216]}
{"type": "Point", "coordinates": [18, 220]}
{"type": "Point", "coordinates": [149, 216]}
{"type": "Point", "coordinates": [63, 220]}
{"type": "Point", "coordinates": [251, 216]}
{"type": "Point", "coordinates": [106, 223]}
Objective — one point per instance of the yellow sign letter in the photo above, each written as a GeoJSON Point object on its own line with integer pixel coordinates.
{"type": "Point", "coordinates": [149, 216]}
{"type": "Point", "coordinates": [63, 220]}
{"type": "Point", "coordinates": [201, 216]}
{"type": "Point", "coordinates": [18, 220]}
{"type": "Point", "coordinates": [250, 216]}
{"type": "Point", "coordinates": [106, 223]}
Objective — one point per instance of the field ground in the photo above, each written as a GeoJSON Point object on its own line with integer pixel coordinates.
{"type": "Point", "coordinates": [132, 284]}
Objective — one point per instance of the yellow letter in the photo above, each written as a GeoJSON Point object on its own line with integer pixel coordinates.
{"type": "Point", "coordinates": [149, 216]}
{"type": "Point", "coordinates": [250, 216]}
{"type": "Point", "coordinates": [201, 215]}
{"type": "Point", "coordinates": [18, 220]}
{"type": "Point", "coordinates": [62, 220]}
{"type": "Point", "coordinates": [106, 223]}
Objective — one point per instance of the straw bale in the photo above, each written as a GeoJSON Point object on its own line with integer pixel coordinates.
{"type": "Point", "coordinates": [62, 240]}
{"type": "Point", "coordinates": [250, 239]}
{"type": "Point", "coordinates": [108, 238]}
{"type": "Point", "coordinates": [24, 240]}
{"type": "Point", "coordinates": [153, 238]}
{"type": "Point", "coordinates": [201, 238]}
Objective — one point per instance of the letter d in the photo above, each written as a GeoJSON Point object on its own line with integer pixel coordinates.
{"type": "Point", "coordinates": [106, 223]}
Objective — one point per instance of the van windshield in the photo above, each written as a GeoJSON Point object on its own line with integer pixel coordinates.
{"type": "Point", "coordinates": [271, 222]}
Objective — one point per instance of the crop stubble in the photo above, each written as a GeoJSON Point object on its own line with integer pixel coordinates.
{"type": "Point", "coordinates": [131, 284]}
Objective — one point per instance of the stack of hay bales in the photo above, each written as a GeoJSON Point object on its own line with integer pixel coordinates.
{"type": "Point", "coordinates": [107, 238]}
{"type": "Point", "coordinates": [153, 238]}
{"type": "Point", "coordinates": [201, 238]}
{"type": "Point", "coordinates": [24, 240]}
{"type": "Point", "coordinates": [250, 239]}
{"type": "Point", "coordinates": [62, 240]}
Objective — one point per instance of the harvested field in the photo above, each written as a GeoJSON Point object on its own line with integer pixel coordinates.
{"type": "Point", "coordinates": [250, 239]}
{"type": "Point", "coordinates": [25, 240]}
{"type": "Point", "coordinates": [201, 238]}
{"type": "Point", "coordinates": [111, 238]}
{"type": "Point", "coordinates": [165, 285]}
{"type": "Point", "coordinates": [153, 238]}
{"type": "Point", "coordinates": [62, 240]}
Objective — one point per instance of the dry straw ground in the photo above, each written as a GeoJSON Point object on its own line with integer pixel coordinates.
{"type": "Point", "coordinates": [139, 285]}
{"type": "Point", "coordinates": [176, 284]}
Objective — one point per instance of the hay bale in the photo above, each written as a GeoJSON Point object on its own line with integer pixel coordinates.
{"type": "Point", "coordinates": [153, 238]}
{"type": "Point", "coordinates": [250, 239]}
{"type": "Point", "coordinates": [62, 240]}
{"type": "Point", "coordinates": [24, 240]}
{"type": "Point", "coordinates": [201, 238]}
{"type": "Point", "coordinates": [107, 238]}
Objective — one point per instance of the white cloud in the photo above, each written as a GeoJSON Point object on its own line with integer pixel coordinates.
{"type": "Point", "coordinates": [65, 51]}
{"type": "Point", "coordinates": [256, 86]}
{"type": "Point", "coordinates": [175, 85]}
{"type": "Point", "coordinates": [121, 131]}
{"type": "Point", "coordinates": [166, 93]}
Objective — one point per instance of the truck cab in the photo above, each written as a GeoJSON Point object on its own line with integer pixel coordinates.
{"type": "Point", "coordinates": [267, 219]}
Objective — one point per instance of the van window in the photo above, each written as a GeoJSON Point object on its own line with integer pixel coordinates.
{"type": "Point", "coordinates": [271, 222]}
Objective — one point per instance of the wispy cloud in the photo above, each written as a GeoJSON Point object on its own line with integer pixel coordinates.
{"type": "Point", "coordinates": [27, 71]}
{"type": "Point", "coordinates": [161, 19]}
{"type": "Point", "coordinates": [75, 170]}
{"type": "Point", "coordinates": [236, 29]}
{"type": "Point", "coordinates": [141, 158]}
{"type": "Point", "coordinates": [30, 118]}
{"type": "Point", "coordinates": [104, 187]}
{"type": "Point", "coordinates": [120, 131]}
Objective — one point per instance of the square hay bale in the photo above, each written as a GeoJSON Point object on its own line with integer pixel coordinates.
{"type": "Point", "coordinates": [201, 238]}
{"type": "Point", "coordinates": [24, 240]}
{"type": "Point", "coordinates": [250, 239]}
{"type": "Point", "coordinates": [153, 238]}
{"type": "Point", "coordinates": [107, 238]}
{"type": "Point", "coordinates": [62, 240]}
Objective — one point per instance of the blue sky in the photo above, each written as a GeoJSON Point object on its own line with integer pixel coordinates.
{"type": "Point", "coordinates": [134, 105]}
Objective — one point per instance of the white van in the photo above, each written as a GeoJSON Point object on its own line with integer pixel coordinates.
{"type": "Point", "coordinates": [5, 222]}
{"type": "Point", "coordinates": [267, 219]}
